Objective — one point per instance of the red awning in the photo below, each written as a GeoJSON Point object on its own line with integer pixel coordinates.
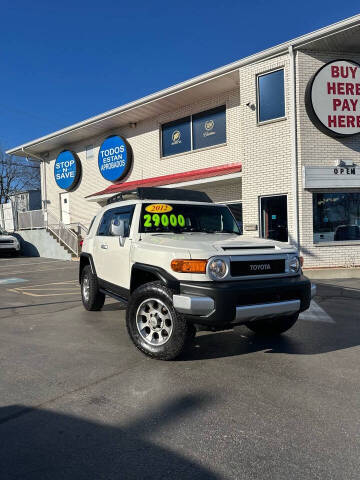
{"type": "Point", "coordinates": [171, 179]}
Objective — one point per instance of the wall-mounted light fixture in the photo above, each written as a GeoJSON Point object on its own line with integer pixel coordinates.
{"type": "Point", "coordinates": [251, 105]}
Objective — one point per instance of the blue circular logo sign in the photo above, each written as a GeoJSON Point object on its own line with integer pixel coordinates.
{"type": "Point", "coordinates": [67, 170]}
{"type": "Point", "coordinates": [115, 158]}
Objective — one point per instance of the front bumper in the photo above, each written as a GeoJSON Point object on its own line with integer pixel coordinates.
{"type": "Point", "coordinates": [233, 303]}
{"type": "Point", "coordinates": [9, 247]}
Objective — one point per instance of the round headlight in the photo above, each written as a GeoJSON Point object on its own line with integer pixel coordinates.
{"type": "Point", "coordinates": [217, 268]}
{"type": "Point", "coordinates": [294, 264]}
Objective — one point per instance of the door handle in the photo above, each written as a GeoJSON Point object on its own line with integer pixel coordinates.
{"type": "Point", "coordinates": [104, 246]}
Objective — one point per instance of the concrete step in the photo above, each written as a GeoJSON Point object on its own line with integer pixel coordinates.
{"type": "Point", "coordinates": [63, 245]}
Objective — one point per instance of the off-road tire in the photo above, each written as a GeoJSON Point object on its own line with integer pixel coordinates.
{"type": "Point", "coordinates": [179, 336]}
{"type": "Point", "coordinates": [273, 326]}
{"type": "Point", "coordinates": [95, 300]}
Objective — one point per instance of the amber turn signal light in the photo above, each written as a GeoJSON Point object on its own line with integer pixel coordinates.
{"type": "Point", "coordinates": [189, 266]}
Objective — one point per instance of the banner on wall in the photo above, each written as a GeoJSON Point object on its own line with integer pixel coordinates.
{"type": "Point", "coordinates": [176, 137]}
{"type": "Point", "coordinates": [209, 128]}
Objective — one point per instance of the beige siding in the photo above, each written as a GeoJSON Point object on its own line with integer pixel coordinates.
{"type": "Point", "coordinates": [145, 142]}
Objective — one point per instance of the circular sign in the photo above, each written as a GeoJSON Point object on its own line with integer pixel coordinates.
{"type": "Point", "coordinates": [115, 158]}
{"type": "Point", "coordinates": [176, 136]}
{"type": "Point", "coordinates": [333, 98]}
{"type": "Point", "coordinates": [67, 170]}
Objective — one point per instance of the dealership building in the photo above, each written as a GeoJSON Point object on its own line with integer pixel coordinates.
{"type": "Point", "coordinates": [274, 135]}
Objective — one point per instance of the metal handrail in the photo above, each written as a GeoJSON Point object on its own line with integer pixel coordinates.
{"type": "Point", "coordinates": [30, 219]}
{"type": "Point", "coordinates": [34, 219]}
{"type": "Point", "coordinates": [61, 231]}
{"type": "Point", "coordinates": [81, 229]}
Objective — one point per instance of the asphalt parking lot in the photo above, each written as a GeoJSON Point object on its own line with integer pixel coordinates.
{"type": "Point", "coordinates": [78, 401]}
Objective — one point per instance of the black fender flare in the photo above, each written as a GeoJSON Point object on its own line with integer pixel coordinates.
{"type": "Point", "coordinates": [86, 259]}
{"type": "Point", "coordinates": [161, 274]}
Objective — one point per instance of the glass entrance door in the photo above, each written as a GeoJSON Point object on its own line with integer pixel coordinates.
{"type": "Point", "coordinates": [274, 222]}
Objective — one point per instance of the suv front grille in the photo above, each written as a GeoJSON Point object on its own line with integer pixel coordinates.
{"type": "Point", "coordinates": [7, 242]}
{"type": "Point", "coordinates": [256, 267]}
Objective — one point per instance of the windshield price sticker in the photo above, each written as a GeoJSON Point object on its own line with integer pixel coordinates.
{"type": "Point", "coordinates": [159, 208]}
{"type": "Point", "coordinates": [164, 219]}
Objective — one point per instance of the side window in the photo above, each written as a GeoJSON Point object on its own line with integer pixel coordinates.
{"type": "Point", "coordinates": [115, 215]}
{"type": "Point", "coordinates": [126, 217]}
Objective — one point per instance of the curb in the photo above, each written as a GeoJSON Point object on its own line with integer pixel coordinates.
{"type": "Point", "coordinates": [332, 273]}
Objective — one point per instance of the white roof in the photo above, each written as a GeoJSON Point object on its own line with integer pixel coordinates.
{"type": "Point", "coordinates": [343, 36]}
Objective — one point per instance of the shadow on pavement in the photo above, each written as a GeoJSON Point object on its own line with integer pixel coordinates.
{"type": "Point", "coordinates": [11, 307]}
{"type": "Point", "coordinates": [41, 444]}
{"type": "Point", "coordinates": [305, 338]}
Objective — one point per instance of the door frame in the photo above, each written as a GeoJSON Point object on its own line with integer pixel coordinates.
{"type": "Point", "coordinates": [260, 212]}
{"type": "Point", "coordinates": [61, 205]}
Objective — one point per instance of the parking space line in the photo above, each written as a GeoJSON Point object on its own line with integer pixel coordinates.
{"type": "Point", "coordinates": [61, 287]}
{"type": "Point", "coordinates": [48, 294]}
{"type": "Point", "coordinates": [5, 281]}
{"type": "Point", "coordinates": [65, 282]}
{"type": "Point", "coordinates": [316, 314]}
{"type": "Point", "coordinates": [35, 271]}
{"type": "Point", "coordinates": [29, 263]}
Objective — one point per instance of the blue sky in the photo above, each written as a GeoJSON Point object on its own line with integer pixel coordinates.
{"type": "Point", "coordinates": [62, 62]}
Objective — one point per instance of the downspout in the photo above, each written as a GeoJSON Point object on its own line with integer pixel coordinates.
{"type": "Point", "coordinates": [294, 149]}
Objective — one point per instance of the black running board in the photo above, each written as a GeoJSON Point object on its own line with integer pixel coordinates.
{"type": "Point", "coordinates": [114, 295]}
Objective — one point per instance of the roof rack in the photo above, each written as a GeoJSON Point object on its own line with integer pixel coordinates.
{"type": "Point", "coordinates": [155, 193]}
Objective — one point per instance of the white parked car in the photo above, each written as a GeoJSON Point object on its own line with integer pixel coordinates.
{"type": "Point", "coordinates": [179, 263]}
{"type": "Point", "coordinates": [8, 243]}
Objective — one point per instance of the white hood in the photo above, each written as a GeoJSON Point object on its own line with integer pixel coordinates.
{"type": "Point", "coordinates": [209, 244]}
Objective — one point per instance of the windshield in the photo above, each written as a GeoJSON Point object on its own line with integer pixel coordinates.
{"type": "Point", "coordinates": [2, 231]}
{"type": "Point", "coordinates": [179, 218]}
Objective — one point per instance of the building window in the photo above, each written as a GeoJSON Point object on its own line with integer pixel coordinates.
{"type": "Point", "coordinates": [176, 137]}
{"type": "Point", "coordinates": [336, 216]}
{"type": "Point", "coordinates": [202, 130]}
{"type": "Point", "coordinates": [271, 96]}
{"type": "Point", "coordinates": [89, 152]}
{"type": "Point", "coordinates": [209, 128]}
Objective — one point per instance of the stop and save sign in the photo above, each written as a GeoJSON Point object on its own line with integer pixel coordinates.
{"type": "Point", "coordinates": [335, 98]}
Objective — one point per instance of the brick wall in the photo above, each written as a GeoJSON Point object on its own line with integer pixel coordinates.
{"type": "Point", "coordinates": [317, 149]}
{"type": "Point", "coordinates": [266, 148]}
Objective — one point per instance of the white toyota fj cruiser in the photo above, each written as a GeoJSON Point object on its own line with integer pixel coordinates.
{"type": "Point", "coordinates": [179, 263]}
